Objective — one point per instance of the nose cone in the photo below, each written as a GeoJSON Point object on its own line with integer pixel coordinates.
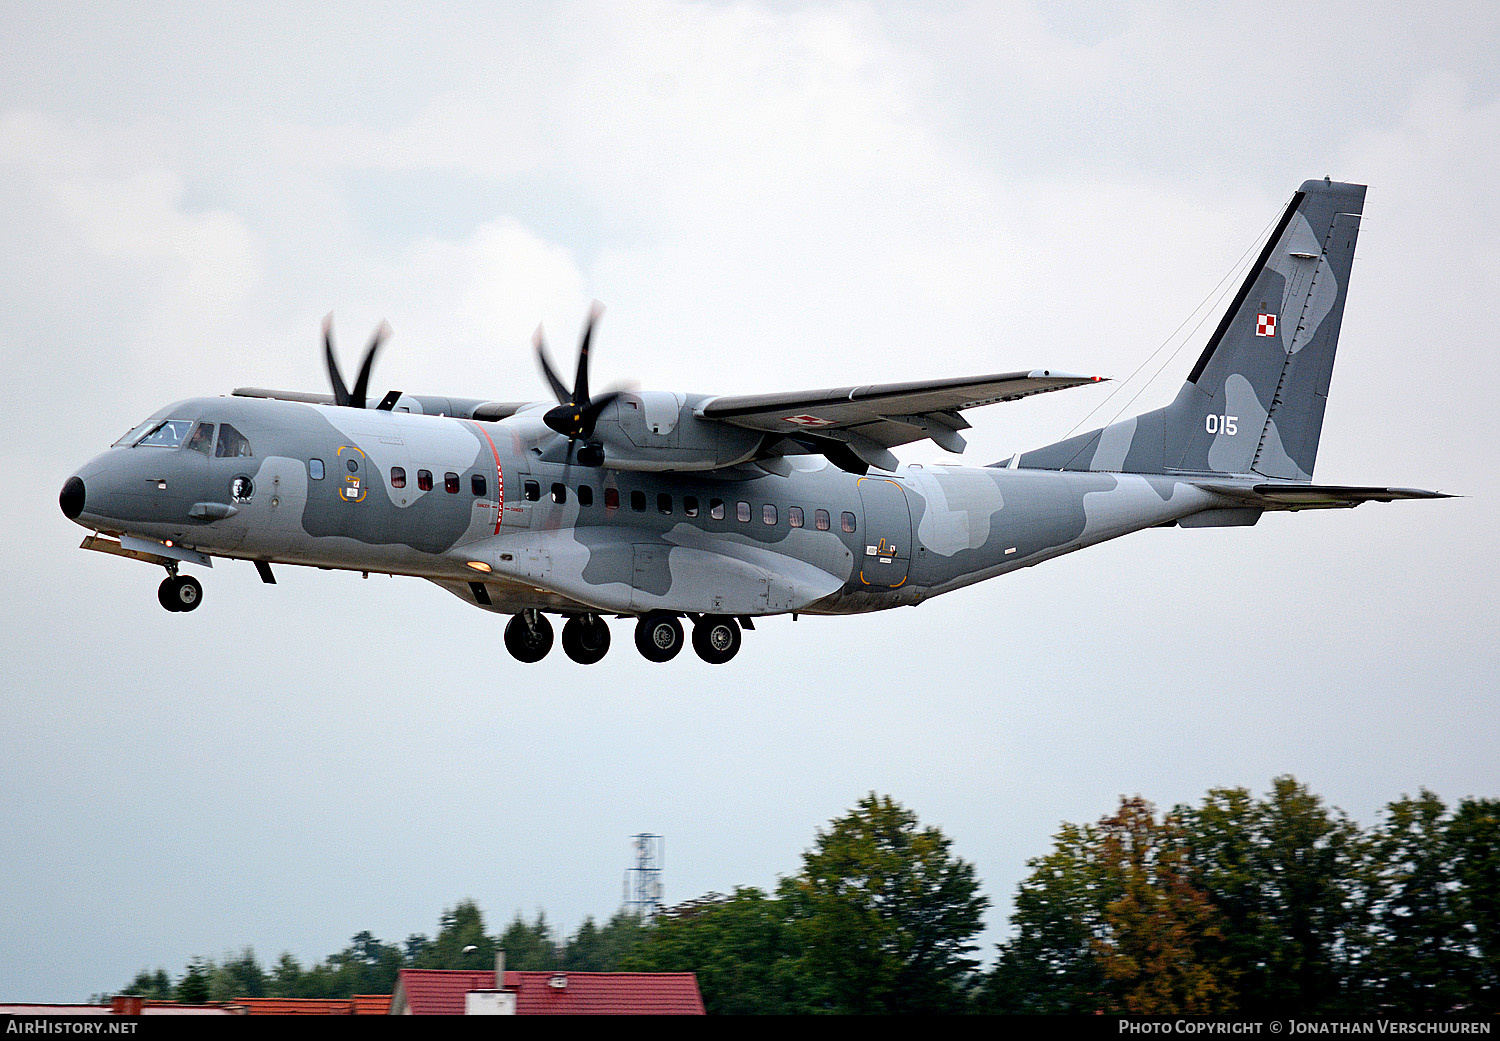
{"type": "Point", "coordinates": [71, 499]}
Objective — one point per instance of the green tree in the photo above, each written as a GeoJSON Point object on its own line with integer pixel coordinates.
{"type": "Point", "coordinates": [1050, 966]}
{"type": "Point", "coordinates": [1289, 877]}
{"type": "Point", "coordinates": [530, 946]}
{"type": "Point", "coordinates": [156, 986]}
{"type": "Point", "coordinates": [744, 949]}
{"type": "Point", "coordinates": [886, 914]}
{"type": "Point", "coordinates": [1473, 837]}
{"type": "Point", "coordinates": [192, 989]}
{"type": "Point", "coordinates": [461, 927]}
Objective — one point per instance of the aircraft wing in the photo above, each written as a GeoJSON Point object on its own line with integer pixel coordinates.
{"type": "Point", "coordinates": [868, 420]}
{"type": "Point", "coordinates": [1317, 496]}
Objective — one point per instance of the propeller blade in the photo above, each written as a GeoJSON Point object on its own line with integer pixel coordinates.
{"type": "Point", "coordinates": [581, 382]}
{"type": "Point", "coordinates": [560, 391]}
{"type": "Point", "coordinates": [340, 391]}
{"type": "Point", "coordinates": [362, 383]}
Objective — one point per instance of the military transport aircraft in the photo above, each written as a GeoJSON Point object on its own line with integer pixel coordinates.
{"type": "Point", "coordinates": [663, 506]}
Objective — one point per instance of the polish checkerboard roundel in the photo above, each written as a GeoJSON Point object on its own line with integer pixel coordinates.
{"type": "Point", "coordinates": [1265, 325]}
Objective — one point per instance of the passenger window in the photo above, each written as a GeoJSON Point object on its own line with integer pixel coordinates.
{"type": "Point", "coordinates": [664, 504]}
{"type": "Point", "coordinates": [424, 480]}
{"type": "Point", "coordinates": [585, 495]}
{"type": "Point", "coordinates": [232, 443]}
{"type": "Point", "coordinates": [742, 512]}
{"type": "Point", "coordinates": [690, 505]}
{"type": "Point", "coordinates": [611, 498]}
{"type": "Point", "coordinates": [531, 491]}
{"type": "Point", "coordinates": [202, 439]}
{"type": "Point", "coordinates": [450, 483]}
{"type": "Point", "coordinates": [820, 520]}
{"type": "Point", "coordinates": [794, 516]}
{"type": "Point", "coordinates": [848, 521]}
{"type": "Point", "coordinates": [398, 477]}
{"type": "Point", "coordinates": [716, 509]}
{"type": "Point", "coordinates": [315, 469]}
{"type": "Point", "coordinates": [768, 514]}
{"type": "Point", "coordinates": [559, 492]}
{"type": "Point", "coordinates": [480, 486]}
{"type": "Point", "coordinates": [638, 501]}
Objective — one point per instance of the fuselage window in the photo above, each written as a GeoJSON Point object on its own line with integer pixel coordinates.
{"type": "Point", "coordinates": [585, 495]}
{"type": "Point", "coordinates": [794, 516]}
{"type": "Point", "coordinates": [315, 469]}
{"type": "Point", "coordinates": [820, 520]}
{"type": "Point", "coordinates": [480, 486]}
{"type": "Point", "coordinates": [664, 503]}
{"type": "Point", "coordinates": [559, 492]}
{"type": "Point", "coordinates": [531, 491]}
{"type": "Point", "coordinates": [202, 439]}
{"type": "Point", "coordinates": [848, 522]}
{"type": "Point", "coordinates": [450, 483]}
{"type": "Point", "coordinates": [742, 512]}
{"type": "Point", "coordinates": [167, 434]}
{"type": "Point", "coordinates": [398, 477]}
{"type": "Point", "coordinates": [232, 444]}
{"type": "Point", "coordinates": [424, 480]}
{"type": "Point", "coordinates": [611, 498]}
{"type": "Point", "coordinates": [638, 501]}
{"type": "Point", "coordinates": [690, 505]}
{"type": "Point", "coordinates": [768, 514]}
{"type": "Point", "coordinates": [716, 509]}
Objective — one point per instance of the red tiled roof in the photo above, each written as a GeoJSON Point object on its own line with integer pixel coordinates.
{"type": "Point", "coordinates": [606, 994]}
{"type": "Point", "coordinates": [359, 1005]}
{"type": "Point", "coordinates": [440, 992]}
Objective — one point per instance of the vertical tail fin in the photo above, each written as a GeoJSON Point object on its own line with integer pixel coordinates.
{"type": "Point", "coordinates": [1254, 401]}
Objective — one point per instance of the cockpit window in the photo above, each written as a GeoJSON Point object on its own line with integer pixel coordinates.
{"type": "Point", "coordinates": [232, 443]}
{"type": "Point", "coordinates": [134, 434]}
{"type": "Point", "coordinates": [202, 439]}
{"type": "Point", "coordinates": [169, 433]}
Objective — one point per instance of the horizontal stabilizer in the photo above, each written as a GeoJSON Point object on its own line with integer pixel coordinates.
{"type": "Point", "coordinates": [1316, 496]}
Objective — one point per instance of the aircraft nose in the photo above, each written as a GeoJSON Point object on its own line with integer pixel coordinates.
{"type": "Point", "coordinates": [71, 499]}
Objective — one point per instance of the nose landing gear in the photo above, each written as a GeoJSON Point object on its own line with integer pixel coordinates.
{"type": "Point", "coordinates": [528, 636]}
{"type": "Point", "coordinates": [180, 593]}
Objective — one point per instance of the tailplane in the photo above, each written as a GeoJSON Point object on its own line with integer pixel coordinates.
{"type": "Point", "coordinates": [1253, 404]}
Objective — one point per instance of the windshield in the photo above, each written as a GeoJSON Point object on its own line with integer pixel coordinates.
{"type": "Point", "coordinates": [169, 433]}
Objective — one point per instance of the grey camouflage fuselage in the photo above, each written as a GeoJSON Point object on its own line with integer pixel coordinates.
{"type": "Point", "coordinates": [495, 511]}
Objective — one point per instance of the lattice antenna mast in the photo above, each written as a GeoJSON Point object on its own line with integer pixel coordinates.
{"type": "Point", "coordinates": [643, 882]}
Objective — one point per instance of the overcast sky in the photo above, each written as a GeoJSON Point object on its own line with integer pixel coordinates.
{"type": "Point", "coordinates": [766, 196]}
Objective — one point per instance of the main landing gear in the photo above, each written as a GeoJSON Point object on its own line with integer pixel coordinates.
{"type": "Point", "coordinates": [658, 636]}
{"type": "Point", "coordinates": [180, 593]}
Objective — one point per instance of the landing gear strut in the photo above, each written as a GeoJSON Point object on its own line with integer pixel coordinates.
{"type": "Point", "coordinates": [716, 638]}
{"type": "Point", "coordinates": [658, 637]}
{"type": "Point", "coordinates": [528, 636]}
{"type": "Point", "coordinates": [585, 638]}
{"type": "Point", "coordinates": [180, 593]}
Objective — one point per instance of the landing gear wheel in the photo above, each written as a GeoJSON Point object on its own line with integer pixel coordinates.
{"type": "Point", "coordinates": [180, 593]}
{"type": "Point", "coordinates": [528, 641]}
{"type": "Point", "coordinates": [716, 639]}
{"type": "Point", "coordinates": [585, 638]}
{"type": "Point", "coordinates": [658, 637]}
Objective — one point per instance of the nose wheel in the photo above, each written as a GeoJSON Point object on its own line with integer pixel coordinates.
{"type": "Point", "coordinates": [528, 636]}
{"type": "Point", "coordinates": [180, 593]}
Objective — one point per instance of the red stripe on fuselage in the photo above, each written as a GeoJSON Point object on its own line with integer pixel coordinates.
{"type": "Point", "coordinates": [499, 479]}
